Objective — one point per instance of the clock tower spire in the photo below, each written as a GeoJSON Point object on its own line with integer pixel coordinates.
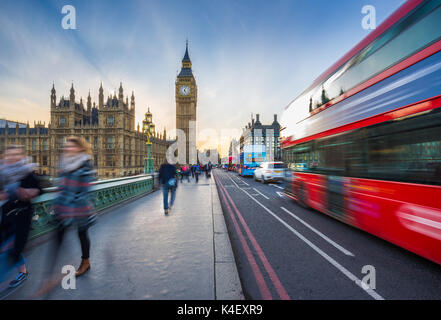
{"type": "Point", "coordinates": [186, 101]}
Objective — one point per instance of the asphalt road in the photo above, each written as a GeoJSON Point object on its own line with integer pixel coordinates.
{"type": "Point", "coordinates": [284, 251]}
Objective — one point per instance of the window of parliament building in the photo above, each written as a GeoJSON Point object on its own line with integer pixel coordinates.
{"type": "Point", "coordinates": [118, 148]}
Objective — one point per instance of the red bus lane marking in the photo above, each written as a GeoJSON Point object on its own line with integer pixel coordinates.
{"type": "Point", "coordinates": [342, 269]}
{"type": "Point", "coordinates": [263, 288]}
{"type": "Point", "coordinates": [267, 265]}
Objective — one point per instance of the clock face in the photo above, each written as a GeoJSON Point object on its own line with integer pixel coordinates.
{"type": "Point", "coordinates": [185, 90]}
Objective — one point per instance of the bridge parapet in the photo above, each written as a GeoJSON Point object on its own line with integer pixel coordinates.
{"type": "Point", "coordinates": [104, 194]}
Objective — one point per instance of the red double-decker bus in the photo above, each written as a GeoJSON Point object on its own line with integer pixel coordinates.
{"type": "Point", "coordinates": [363, 142]}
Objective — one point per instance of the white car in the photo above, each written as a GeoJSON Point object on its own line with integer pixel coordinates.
{"type": "Point", "coordinates": [270, 171]}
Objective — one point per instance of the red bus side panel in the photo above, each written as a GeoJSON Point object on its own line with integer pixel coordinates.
{"type": "Point", "coordinates": [406, 214]}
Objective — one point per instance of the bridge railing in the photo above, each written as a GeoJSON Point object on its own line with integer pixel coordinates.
{"type": "Point", "coordinates": [104, 194]}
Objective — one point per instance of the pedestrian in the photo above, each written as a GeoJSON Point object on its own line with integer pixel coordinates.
{"type": "Point", "coordinates": [183, 172]}
{"type": "Point", "coordinates": [187, 172]}
{"type": "Point", "coordinates": [209, 168]}
{"type": "Point", "coordinates": [167, 177]}
{"type": "Point", "coordinates": [20, 185]}
{"type": "Point", "coordinates": [73, 206]}
{"type": "Point", "coordinates": [197, 171]}
{"type": "Point", "coordinates": [180, 172]}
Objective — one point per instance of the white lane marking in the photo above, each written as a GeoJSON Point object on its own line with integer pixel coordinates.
{"type": "Point", "coordinates": [281, 195]}
{"type": "Point", "coordinates": [275, 186]}
{"type": "Point", "coordinates": [234, 182]}
{"type": "Point", "coordinates": [339, 247]}
{"type": "Point", "coordinates": [240, 179]}
{"type": "Point", "coordinates": [342, 269]}
{"type": "Point", "coordinates": [261, 193]}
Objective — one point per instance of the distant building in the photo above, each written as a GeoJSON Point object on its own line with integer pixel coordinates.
{"type": "Point", "coordinates": [36, 141]}
{"type": "Point", "coordinates": [258, 134]}
{"type": "Point", "coordinates": [118, 148]}
{"type": "Point", "coordinates": [209, 155]}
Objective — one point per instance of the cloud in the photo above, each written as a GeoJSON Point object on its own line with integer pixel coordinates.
{"type": "Point", "coordinates": [246, 59]}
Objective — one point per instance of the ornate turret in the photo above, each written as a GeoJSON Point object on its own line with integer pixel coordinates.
{"type": "Point", "coordinates": [121, 93]}
{"type": "Point", "coordinates": [132, 101]}
{"type": "Point", "coordinates": [186, 64]}
{"type": "Point", "coordinates": [53, 96]}
{"type": "Point", "coordinates": [101, 97]}
{"type": "Point", "coordinates": [89, 103]}
{"type": "Point", "coordinates": [72, 97]}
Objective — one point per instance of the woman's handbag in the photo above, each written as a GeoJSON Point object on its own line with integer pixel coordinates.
{"type": "Point", "coordinates": [171, 182]}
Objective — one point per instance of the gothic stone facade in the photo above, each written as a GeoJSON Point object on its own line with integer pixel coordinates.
{"type": "Point", "coordinates": [36, 140]}
{"type": "Point", "coordinates": [118, 148]}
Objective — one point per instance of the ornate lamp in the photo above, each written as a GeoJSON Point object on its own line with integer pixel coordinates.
{"type": "Point", "coordinates": [148, 128]}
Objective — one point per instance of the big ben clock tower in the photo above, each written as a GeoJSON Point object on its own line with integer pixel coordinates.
{"type": "Point", "coordinates": [186, 101]}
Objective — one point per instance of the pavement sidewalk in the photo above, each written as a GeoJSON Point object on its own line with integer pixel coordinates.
{"type": "Point", "coordinates": [139, 253]}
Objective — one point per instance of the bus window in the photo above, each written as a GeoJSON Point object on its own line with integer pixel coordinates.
{"type": "Point", "coordinates": [409, 152]}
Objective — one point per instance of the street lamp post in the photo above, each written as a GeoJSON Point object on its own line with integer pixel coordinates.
{"type": "Point", "coordinates": [148, 128]}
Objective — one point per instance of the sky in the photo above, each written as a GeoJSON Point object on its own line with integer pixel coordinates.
{"type": "Point", "coordinates": [248, 56]}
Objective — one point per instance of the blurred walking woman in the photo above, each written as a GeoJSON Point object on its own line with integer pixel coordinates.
{"type": "Point", "coordinates": [73, 206]}
{"type": "Point", "coordinates": [19, 186]}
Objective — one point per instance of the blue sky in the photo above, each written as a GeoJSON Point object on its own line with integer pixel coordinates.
{"type": "Point", "coordinates": [249, 56]}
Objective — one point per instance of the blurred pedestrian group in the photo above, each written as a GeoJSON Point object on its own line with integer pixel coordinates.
{"type": "Point", "coordinates": [72, 207]}
{"type": "Point", "coordinates": [19, 185]}
{"type": "Point", "coordinates": [169, 175]}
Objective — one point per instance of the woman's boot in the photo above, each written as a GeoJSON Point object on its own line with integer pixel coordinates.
{"type": "Point", "coordinates": [84, 266]}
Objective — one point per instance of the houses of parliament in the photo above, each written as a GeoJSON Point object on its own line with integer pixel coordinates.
{"type": "Point", "coordinates": [118, 147]}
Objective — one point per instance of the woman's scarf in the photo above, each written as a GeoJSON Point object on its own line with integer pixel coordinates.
{"type": "Point", "coordinates": [13, 173]}
{"type": "Point", "coordinates": [69, 164]}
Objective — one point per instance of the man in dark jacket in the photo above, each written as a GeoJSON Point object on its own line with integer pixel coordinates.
{"type": "Point", "coordinates": [167, 177]}
{"type": "Point", "coordinates": [20, 186]}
